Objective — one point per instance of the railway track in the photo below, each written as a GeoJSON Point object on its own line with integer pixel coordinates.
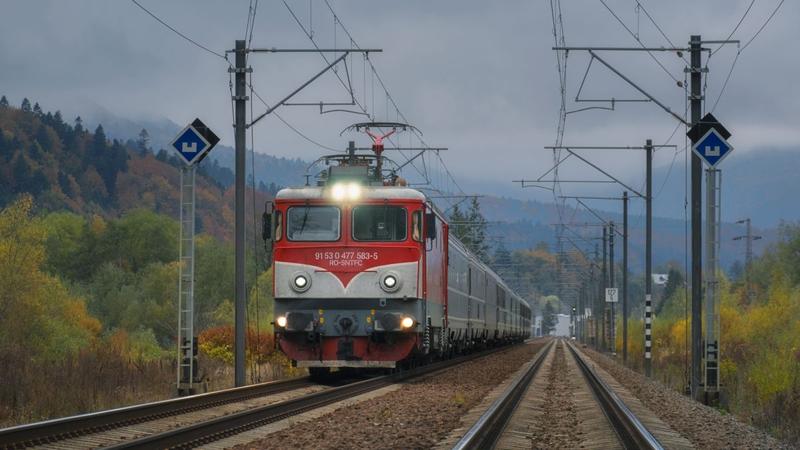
{"type": "Point", "coordinates": [101, 430]}
{"type": "Point", "coordinates": [490, 427]}
{"type": "Point", "coordinates": [56, 432]}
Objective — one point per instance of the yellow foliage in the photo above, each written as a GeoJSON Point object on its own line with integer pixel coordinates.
{"type": "Point", "coordinates": [771, 375]}
{"type": "Point", "coordinates": [97, 225]}
{"type": "Point", "coordinates": [37, 312]}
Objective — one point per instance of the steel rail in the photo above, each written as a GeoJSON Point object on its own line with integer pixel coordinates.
{"type": "Point", "coordinates": [55, 430]}
{"type": "Point", "coordinates": [632, 433]}
{"type": "Point", "coordinates": [215, 429]}
{"type": "Point", "coordinates": [489, 427]}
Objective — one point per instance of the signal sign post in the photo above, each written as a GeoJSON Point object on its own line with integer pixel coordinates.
{"type": "Point", "coordinates": [612, 297]}
{"type": "Point", "coordinates": [711, 147]}
{"type": "Point", "coordinates": [192, 145]}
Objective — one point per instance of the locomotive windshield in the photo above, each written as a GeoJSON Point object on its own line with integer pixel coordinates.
{"type": "Point", "coordinates": [379, 223]}
{"type": "Point", "coordinates": [313, 223]}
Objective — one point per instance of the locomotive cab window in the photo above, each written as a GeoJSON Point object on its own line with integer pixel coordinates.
{"type": "Point", "coordinates": [416, 226]}
{"type": "Point", "coordinates": [379, 223]}
{"type": "Point", "coordinates": [313, 223]}
{"type": "Point", "coordinates": [278, 224]}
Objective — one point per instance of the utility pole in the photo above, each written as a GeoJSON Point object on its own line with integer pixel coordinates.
{"type": "Point", "coordinates": [602, 298]}
{"type": "Point", "coordinates": [612, 332]}
{"type": "Point", "coordinates": [625, 277]}
{"type": "Point", "coordinates": [595, 290]}
{"type": "Point", "coordinates": [748, 255]}
{"type": "Point", "coordinates": [696, 105]}
{"type": "Point", "coordinates": [587, 286]}
{"type": "Point", "coordinates": [240, 125]}
{"type": "Point", "coordinates": [240, 303]}
{"type": "Point", "coordinates": [648, 262]}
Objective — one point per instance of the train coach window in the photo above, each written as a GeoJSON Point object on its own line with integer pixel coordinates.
{"type": "Point", "coordinates": [379, 223]}
{"type": "Point", "coordinates": [313, 223]}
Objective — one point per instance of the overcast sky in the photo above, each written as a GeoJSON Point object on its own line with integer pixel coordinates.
{"type": "Point", "coordinates": [478, 77]}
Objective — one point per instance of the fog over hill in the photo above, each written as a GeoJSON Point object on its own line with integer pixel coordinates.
{"type": "Point", "coordinates": [754, 185]}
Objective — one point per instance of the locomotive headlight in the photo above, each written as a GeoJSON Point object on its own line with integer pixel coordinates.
{"type": "Point", "coordinates": [390, 282]}
{"type": "Point", "coordinates": [349, 191]}
{"type": "Point", "coordinates": [300, 282]}
{"type": "Point", "coordinates": [281, 321]}
{"type": "Point", "coordinates": [338, 191]}
{"type": "Point", "coordinates": [407, 322]}
{"type": "Point", "coordinates": [353, 191]}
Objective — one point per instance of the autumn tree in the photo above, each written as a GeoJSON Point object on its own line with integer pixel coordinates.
{"type": "Point", "coordinates": [37, 313]}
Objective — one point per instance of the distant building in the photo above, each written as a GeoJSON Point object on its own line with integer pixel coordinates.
{"type": "Point", "coordinates": [537, 326]}
{"type": "Point", "coordinates": [563, 325]}
{"type": "Point", "coordinates": [660, 279]}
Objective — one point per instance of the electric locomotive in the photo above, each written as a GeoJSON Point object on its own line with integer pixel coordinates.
{"type": "Point", "coordinates": [367, 275]}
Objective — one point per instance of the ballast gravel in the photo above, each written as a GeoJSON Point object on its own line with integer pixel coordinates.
{"type": "Point", "coordinates": [417, 415]}
{"type": "Point", "coordinates": [706, 427]}
{"type": "Point", "coordinates": [559, 408]}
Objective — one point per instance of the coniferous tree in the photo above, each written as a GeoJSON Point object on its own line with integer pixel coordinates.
{"type": "Point", "coordinates": [3, 102]}
{"type": "Point", "coordinates": [26, 105]}
{"type": "Point", "coordinates": [78, 125]}
{"type": "Point", "coordinates": [477, 227]}
{"type": "Point", "coordinates": [458, 226]}
{"type": "Point", "coordinates": [63, 182]}
{"type": "Point", "coordinates": [674, 284]}
{"type": "Point", "coordinates": [99, 142]}
{"type": "Point", "coordinates": [143, 143]}
{"type": "Point", "coordinates": [501, 261]}
{"type": "Point", "coordinates": [37, 109]}
{"type": "Point", "coordinates": [21, 171]}
{"type": "Point", "coordinates": [549, 319]}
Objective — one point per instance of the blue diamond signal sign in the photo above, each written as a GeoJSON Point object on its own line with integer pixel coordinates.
{"type": "Point", "coordinates": [712, 148]}
{"type": "Point", "coordinates": [190, 145]}
{"type": "Point", "coordinates": [194, 141]}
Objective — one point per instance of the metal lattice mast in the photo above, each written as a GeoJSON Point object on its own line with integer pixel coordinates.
{"type": "Point", "coordinates": [712, 297]}
{"type": "Point", "coordinates": [186, 364]}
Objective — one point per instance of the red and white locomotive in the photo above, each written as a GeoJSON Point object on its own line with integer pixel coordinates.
{"type": "Point", "coordinates": [367, 275]}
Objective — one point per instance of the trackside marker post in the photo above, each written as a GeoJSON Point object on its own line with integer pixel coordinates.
{"type": "Point", "coordinates": [192, 144]}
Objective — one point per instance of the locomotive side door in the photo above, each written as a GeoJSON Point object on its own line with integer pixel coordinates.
{"type": "Point", "coordinates": [435, 245]}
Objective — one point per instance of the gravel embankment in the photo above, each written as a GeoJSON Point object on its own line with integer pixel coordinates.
{"type": "Point", "coordinates": [415, 416]}
{"type": "Point", "coordinates": [706, 427]}
{"type": "Point", "coordinates": [557, 428]}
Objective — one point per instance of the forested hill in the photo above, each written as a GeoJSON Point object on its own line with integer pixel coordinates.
{"type": "Point", "coordinates": [271, 172]}
{"type": "Point", "coordinates": [64, 166]}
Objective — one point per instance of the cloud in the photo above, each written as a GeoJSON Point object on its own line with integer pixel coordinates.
{"type": "Point", "coordinates": [478, 77]}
